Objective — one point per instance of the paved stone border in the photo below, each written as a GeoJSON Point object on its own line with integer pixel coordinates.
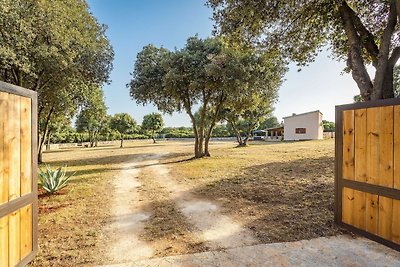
{"type": "Point", "coordinates": [332, 251]}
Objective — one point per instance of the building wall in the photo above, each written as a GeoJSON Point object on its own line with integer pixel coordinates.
{"type": "Point", "coordinates": [311, 121]}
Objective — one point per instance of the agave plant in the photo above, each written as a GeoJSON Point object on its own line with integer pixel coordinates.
{"type": "Point", "coordinates": [53, 180]}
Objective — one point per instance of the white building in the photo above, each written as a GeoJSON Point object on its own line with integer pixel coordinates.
{"type": "Point", "coordinates": [305, 126]}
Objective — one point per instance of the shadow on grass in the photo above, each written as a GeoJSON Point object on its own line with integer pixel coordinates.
{"type": "Point", "coordinates": [287, 201]}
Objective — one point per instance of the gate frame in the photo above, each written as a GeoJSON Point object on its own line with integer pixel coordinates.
{"type": "Point", "coordinates": [340, 183]}
{"type": "Point", "coordinates": [31, 198]}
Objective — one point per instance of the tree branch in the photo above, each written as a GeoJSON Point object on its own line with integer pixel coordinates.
{"type": "Point", "coordinates": [384, 49]}
{"type": "Point", "coordinates": [355, 61]}
{"type": "Point", "coordinates": [367, 38]}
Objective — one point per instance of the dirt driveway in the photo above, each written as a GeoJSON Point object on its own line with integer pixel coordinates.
{"type": "Point", "coordinates": [139, 237]}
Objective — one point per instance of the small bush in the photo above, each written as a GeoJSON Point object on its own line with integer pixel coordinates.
{"type": "Point", "coordinates": [53, 180]}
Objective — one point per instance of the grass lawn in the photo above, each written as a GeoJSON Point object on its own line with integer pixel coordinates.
{"type": "Point", "coordinates": [280, 191]}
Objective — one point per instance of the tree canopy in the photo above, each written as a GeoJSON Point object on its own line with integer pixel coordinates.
{"type": "Point", "coordinates": [206, 73]}
{"type": "Point", "coordinates": [56, 48]}
{"type": "Point", "coordinates": [124, 124]}
{"type": "Point", "coordinates": [360, 32]}
{"type": "Point", "coordinates": [153, 123]}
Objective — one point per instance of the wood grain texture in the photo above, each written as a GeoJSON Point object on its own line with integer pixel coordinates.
{"type": "Point", "coordinates": [396, 222]}
{"type": "Point", "coordinates": [360, 140]}
{"type": "Point", "coordinates": [14, 243]}
{"type": "Point", "coordinates": [4, 241]}
{"type": "Point", "coordinates": [385, 217]}
{"type": "Point", "coordinates": [348, 144]}
{"type": "Point", "coordinates": [26, 146]}
{"type": "Point", "coordinates": [4, 160]}
{"type": "Point", "coordinates": [359, 209]}
{"type": "Point", "coordinates": [14, 120]}
{"type": "Point", "coordinates": [347, 205]}
{"type": "Point", "coordinates": [26, 231]}
{"type": "Point", "coordinates": [386, 147]}
{"type": "Point", "coordinates": [396, 151]}
{"type": "Point", "coordinates": [373, 148]}
{"type": "Point", "coordinates": [372, 213]}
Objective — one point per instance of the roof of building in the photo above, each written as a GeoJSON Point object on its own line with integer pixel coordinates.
{"type": "Point", "coordinates": [315, 111]}
{"type": "Point", "coordinates": [274, 128]}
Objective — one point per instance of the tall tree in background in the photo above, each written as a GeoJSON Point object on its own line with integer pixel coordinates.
{"type": "Point", "coordinates": [92, 118]}
{"type": "Point", "coordinates": [361, 32]}
{"type": "Point", "coordinates": [56, 48]}
{"type": "Point", "coordinates": [124, 124]}
{"type": "Point", "coordinates": [153, 123]}
{"type": "Point", "coordinates": [245, 118]}
{"type": "Point", "coordinates": [206, 73]}
{"type": "Point", "coordinates": [269, 122]}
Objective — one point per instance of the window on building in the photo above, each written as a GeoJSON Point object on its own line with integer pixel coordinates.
{"type": "Point", "coordinates": [300, 130]}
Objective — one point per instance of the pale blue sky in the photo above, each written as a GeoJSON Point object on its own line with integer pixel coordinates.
{"type": "Point", "coordinates": [133, 24]}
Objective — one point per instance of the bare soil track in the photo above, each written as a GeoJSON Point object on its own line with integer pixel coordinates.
{"type": "Point", "coordinates": [148, 201]}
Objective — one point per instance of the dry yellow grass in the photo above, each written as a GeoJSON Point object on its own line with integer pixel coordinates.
{"type": "Point", "coordinates": [281, 191]}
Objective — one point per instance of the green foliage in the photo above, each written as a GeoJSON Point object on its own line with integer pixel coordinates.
{"type": "Point", "coordinates": [152, 123]}
{"type": "Point", "coordinates": [222, 130]}
{"type": "Point", "coordinates": [178, 132]}
{"type": "Point", "coordinates": [93, 116]}
{"type": "Point", "coordinates": [359, 32]}
{"type": "Point", "coordinates": [56, 48]}
{"type": "Point", "coordinates": [53, 180]}
{"type": "Point", "coordinates": [269, 122]}
{"type": "Point", "coordinates": [206, 72]}
{"type": "Point", "coordinates": [328, 126]}
{"type": "Point", "coordinates": [124, 124]}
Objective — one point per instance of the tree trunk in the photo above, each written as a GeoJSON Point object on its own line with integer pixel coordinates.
{"type": "Point", "coordinates": [122, 140]}
{"type": "Point", "coordinates": [42, 138]}
{"type": "Point", "coordinates": [355, 61]}
{"type": "Point", "coordinates": [197, 151]}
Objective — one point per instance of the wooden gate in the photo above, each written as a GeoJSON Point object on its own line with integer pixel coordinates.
{"type": "Point", "coordinates": [368, 169]}
{"type": "Point", "coordinates": [18, 175]}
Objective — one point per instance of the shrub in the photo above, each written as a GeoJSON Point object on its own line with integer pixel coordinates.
{"type": "Point", "coordinates": [53, 180]}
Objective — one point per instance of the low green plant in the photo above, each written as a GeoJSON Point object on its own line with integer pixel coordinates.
{"type": "Point", "coordinates": [53, 180]}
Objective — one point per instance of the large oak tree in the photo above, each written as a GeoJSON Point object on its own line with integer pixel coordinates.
{"type": "Point", "coordinates": [204, 75]}
{"type": "Point", "coordinates": [362, 32]}
{"type": "Point", "coordinates": [56, 48]}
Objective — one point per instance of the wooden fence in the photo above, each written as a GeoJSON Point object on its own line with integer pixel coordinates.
{"type": "Point", "coordinates": [368, 169]}
{"type": "Point", "coordinates": [18, 175]}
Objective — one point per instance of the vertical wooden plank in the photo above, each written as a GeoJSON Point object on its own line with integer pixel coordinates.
{"type": "Point", "coordinates": [26, 231]}
{"type": "Point", "coordinates": [14, 238]}
{"type": "Point", "coordinates": [3, 178]}
{"type": "Point", "coordinates": [3, 148]}
{"type": "Point", "coordinates": [348, 144]}
{"type": "Point", "coordinates": [14, 178]}
{"type": "Point", "coordinates": [386, 147]}
{"type": "Point", "coordinates": [372, 209]}
{"type": "Point", "coordinates": [396, 176]}
{"type": "Point", "coordinates": [396, 152]}
{"type": "Point", "coordinates": [4, 241]}
{"type": "Point", "coordinates": [347, 205]}
{"type": "Point", "coordinates": [385, 217]}
{"type": "Point", "coordinates": [360, 146]}
{"type": "Point", "coordinates": [396, 222]}
{"type": "Point", "coordinates": [386, 171]}
{"type": "Point", "coordinates": [14, 121]}
{"type": "Point", "coordinates": [373, 151]}
{"type": "Point", "coordinates": [26, 146]}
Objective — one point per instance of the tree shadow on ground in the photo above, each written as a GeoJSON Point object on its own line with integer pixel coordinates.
{"type": "Point", "coordinates": [280, 201]}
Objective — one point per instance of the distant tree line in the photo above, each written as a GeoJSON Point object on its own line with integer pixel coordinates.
{"type": "Point", "coordinates": [110, 130]}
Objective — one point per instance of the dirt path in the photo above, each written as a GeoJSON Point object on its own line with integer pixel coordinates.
{"type": "Point", "coordinates": [217, 230]}
{"type": "Point", "coordinates": [128, 219]}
